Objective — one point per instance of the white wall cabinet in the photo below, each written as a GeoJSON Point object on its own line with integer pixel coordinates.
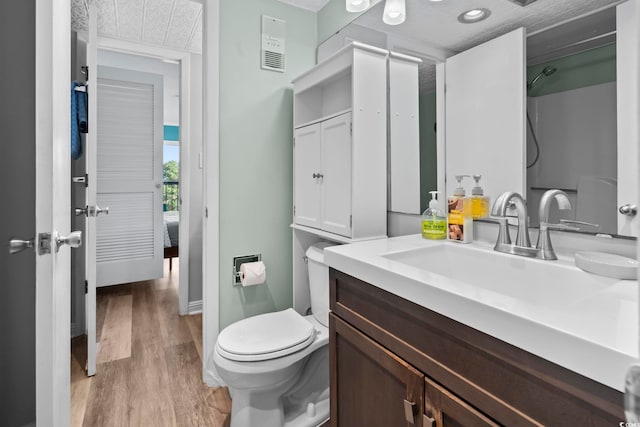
{"type": "Point", "coordinates": [322, 158]}
{"type": "Point", "coordinates": [340, 154]}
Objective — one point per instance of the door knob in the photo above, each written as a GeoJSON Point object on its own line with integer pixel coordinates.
{"type": "Point", "coordinates": [428, 421]}
{"type": "Point", "coordinates": [74, 240]}
{"type": "Point", "coordinates": [97, 210]}
{"type": "Point", "coordinates": [17, 245]}
{"type": "Point", "coordinates": [628, 209]}
{"type": "Point", "coordinates": [100, 210]}
{"type": "Point", "coordinates": [409, 411]}
{"type": "Point", "coordinates": [82, 211]}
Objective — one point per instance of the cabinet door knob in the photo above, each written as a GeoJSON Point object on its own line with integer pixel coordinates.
{"type": "Point", "coordinates": [628, 209]}
{"type": "Point", "coordinates": [409, 411]}
{"type": "Point", "coordinates": [428, 421]}
{"type": "Point", "coordinates": [315, 175]}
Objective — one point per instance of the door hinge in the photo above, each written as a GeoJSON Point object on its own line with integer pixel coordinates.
{"type": "Point", "coordinates": [81, 180]}
{"type": "Point", "coordinates": [86, 286]}
{"type": "Point", "coordinates": [351, 128]}
{"type": "Point", "coordinates": [206, 212]}
{"type": "Point", "coordinates": [350, 221]}
{"type": "Point", "coordinates": [44, 243]}
{"type": "Point", "coordinates": [294, 210]}
{"type": "Point", "coordinates": [294, 141]}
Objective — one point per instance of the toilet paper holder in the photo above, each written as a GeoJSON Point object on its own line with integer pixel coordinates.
{"type": "Point", "coordinates": [238, 261]}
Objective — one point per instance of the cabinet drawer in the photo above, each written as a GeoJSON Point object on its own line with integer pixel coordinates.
{"type": "Point", "coordinates": [510, 385]}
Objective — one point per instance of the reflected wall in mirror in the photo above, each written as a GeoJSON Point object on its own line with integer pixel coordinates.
{"type": "Point", "coordinates": [572, 121]}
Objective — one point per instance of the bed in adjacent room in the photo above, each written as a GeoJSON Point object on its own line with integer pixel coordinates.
{"type": "Point", "coordinates": [171, 221]}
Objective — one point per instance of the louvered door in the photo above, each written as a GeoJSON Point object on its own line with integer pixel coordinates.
{"type": "Point", "coordinates": [129, 240]}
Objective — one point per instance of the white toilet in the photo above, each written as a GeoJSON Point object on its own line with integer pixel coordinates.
{"type": "Point", "coordinates": [277, 364]}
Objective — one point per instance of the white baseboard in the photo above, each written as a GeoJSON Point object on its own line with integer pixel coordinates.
{"type": "Point", "coordinates": [76, 330]}
{"type": "Point", "coordinates": [195, 307]}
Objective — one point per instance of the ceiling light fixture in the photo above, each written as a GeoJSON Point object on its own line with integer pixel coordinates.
{"type": "Point", "coordinates": [395, 12]}
{"type": "Point", "coordinates": [474, 15]}
{"type": "Point", "coordinates": [357, 5]}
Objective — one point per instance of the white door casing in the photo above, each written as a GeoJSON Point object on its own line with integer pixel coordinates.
{"type": "Point", "coordinates": [485, 115]}
{"type": "Point", "coordinates": [307, 164]}
{"type": "Point", "coordinates": [90, 151]}
{"type": "Point", "coordinates": [628, 111]}
{"type": "Point", "coordinates": [336, 175]}
{"type": "Point", "coordinates": [53, 203]}
{"type": "Point", "coordinates": [129, 241]}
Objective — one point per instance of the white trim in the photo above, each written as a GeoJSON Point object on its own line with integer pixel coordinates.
{"type": "Point", "coordinates": [185, 183]}
{"type": "Point", "coordinates": [211, 185]}
{"type": "Point", "coordinates": [195, 307]}
{"type": "Point", "coordinates": [53, 211]}
{"type": "Point", "coordinates": [184, 58]}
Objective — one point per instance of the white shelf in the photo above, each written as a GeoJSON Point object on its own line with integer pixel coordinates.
{"type": "Point", "coordinates": [322, 119]}
{"type": "Point", "coordinates": [333, 237]}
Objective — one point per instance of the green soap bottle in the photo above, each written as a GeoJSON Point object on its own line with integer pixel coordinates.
{"type": "Point", "coordinates": [434, 222]}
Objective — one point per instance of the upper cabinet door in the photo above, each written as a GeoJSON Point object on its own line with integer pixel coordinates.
{"type": "Point", "coordinates": [336, 175]}
{"type": "Point", "coordinates": [628, 99]}
{"type": "Point", "coordinates": [486, 115]}
{"type": "Point", "coordinates": [307, 165]}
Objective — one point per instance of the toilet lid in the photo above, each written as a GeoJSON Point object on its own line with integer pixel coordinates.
{"type": "Point", "coordinates": [266, 336]}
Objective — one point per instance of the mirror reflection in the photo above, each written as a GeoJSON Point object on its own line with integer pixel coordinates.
{"type": "Point", "coordinates": [571, 89]}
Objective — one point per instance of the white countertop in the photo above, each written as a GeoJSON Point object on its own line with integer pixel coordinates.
{"type": "Point", "coordinates": [595, 335]}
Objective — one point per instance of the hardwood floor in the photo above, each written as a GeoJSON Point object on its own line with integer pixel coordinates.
{"type": "Point", "coordinates": [149, 370]}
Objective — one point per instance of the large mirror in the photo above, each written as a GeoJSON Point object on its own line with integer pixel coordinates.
{"type": "Point", "coordinates": [572, 121]}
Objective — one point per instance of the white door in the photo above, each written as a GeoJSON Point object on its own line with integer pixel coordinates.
{"type": "Point", "coordinates": [335, 175]}
{"type": "Point", "coordinates": [305, 177]}
{"type": "Point", "coordinates": [628, 100]}
{"type": "Point", "coordinates": [485, 115]}
{"type": "Point", "coordinates": [129, 240]}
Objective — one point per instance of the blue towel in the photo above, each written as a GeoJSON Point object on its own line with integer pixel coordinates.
{"type": "Point", "coordinates": [78, 119]}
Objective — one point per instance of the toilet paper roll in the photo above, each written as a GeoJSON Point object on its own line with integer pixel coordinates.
{"type": "Point", "coordinates": [253, 273]}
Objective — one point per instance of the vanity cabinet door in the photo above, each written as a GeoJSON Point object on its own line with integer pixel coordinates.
{"type": "Point", "coordinates": [371, 386]}
{"type": "Point", "coordinates": [443, 409]}
{"type": "Point", "coordinates": [307, 152]}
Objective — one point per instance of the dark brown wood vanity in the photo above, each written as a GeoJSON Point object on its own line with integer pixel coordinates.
{"type": "Point", "coordinates": [395, 363]}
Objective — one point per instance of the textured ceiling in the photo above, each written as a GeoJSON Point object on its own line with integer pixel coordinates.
{"type": "Point", "coordinates": [312, 5]}
{"type": "Point", "coordinates": [174, 24]}
{"type": "Point", "coordinates": [436, 23]}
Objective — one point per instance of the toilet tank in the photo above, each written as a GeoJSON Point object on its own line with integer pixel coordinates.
{"type": "Point", "coordinates": [319, 282]}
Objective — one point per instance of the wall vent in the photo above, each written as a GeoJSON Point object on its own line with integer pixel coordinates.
{"type": "Point", "coordinates": [522, 2]}
{"type": "Point", "coordinates": [273, 44]}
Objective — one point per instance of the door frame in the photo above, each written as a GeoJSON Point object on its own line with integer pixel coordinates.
{"type": "Point", "coordinates": [185, 148]}
{"type": "Point", "coordinates": [53, 211]}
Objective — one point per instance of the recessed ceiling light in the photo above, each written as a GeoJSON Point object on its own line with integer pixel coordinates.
{"type": "Point", "coordinates": [474, 15]}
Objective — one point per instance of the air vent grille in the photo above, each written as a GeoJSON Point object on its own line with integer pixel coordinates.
{"type": "Point", "coordinates": [523, 2]}
{"type": "Point", "coordinates": [273, 60]}
{"type": "Point", "coordinates": [273, 44]}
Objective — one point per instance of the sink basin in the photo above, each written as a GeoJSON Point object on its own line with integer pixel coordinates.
{"type": "Point", "coordinates": [483, 273]}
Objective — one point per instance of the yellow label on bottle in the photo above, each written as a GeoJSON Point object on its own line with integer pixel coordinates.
{"type": "Point", "coordinates": [479, 207]}
{"type": "Point", "coordinates": [434, 229]}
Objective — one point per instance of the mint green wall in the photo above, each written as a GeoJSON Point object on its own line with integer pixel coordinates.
{"type": "Point", "coordinates": [428, 158]}
{"type": "Point", "coordinates": [588, 68]}
{"type": "Point", "coordinates": [256, 128]}
{"type": "Point", "coordinates": [334, 17]}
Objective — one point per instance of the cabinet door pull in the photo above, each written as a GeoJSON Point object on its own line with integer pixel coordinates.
{"type": "Point", "coordinates": [409, 411]}
{"type": "Point", "coordinates": [428, 421]}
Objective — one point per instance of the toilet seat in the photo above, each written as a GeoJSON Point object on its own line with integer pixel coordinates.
{"type": "Point", "coordinates": [266, 336]}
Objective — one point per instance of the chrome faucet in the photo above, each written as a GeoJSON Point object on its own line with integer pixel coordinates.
{"type": "Point", "coordinates": [544, 240]}
{"type": "Point", "coordinates": [511, 199]}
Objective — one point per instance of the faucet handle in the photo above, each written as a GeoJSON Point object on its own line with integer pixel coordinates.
{"type": "Point", "coordinates": [579, 223]}
{"type": "Point", "coordinates": [547, 226]}
{"type": "Point", "coordinates": [503, 233]}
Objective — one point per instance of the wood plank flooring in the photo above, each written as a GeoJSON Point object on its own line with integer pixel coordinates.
{"type": "Point", "coordinates": [149, 370]}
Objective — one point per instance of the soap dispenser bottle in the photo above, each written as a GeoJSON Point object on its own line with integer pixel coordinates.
{"type": "Point", "coordinates": [434, 223]}
{"type": "Point", "coordinates": [459, 211]}
{"type": "Point", "coordinates": [479, 202]}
